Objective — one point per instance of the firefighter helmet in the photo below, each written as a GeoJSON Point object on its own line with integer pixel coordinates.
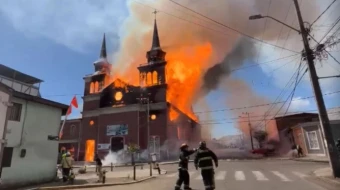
{"type": "Point", "coordinates": [183, 146]}
{"type": "Point", "coordinates": [203, 144]}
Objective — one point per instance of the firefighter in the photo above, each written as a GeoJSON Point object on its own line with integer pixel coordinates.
{"type": "Point", "coordinates": [204, 160]}
{"type": "Point", "coordinates": [338, 144]}
{"type": "Point", "coordinates": [183, 174]}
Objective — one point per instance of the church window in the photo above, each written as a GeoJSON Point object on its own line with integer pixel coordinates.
{"type": "Point", "coordinates": [149, 79]}
{"type": "Point", "coordinates": [154, 78]}
{"type": "Point", "coordinates": [96, 86]}
{"type": "Point", "coordinates": [101, 85]}
{"type": "Point", "coordinates": [91, 87]}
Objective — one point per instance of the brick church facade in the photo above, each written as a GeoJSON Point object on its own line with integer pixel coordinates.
{"type": "Point", "coordinates": [120, 114]}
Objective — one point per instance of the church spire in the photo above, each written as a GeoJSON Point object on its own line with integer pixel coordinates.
{"type": "Point", "coordinates": [155, 38]}
{"type": "Point", "coordinates": [103, 50]}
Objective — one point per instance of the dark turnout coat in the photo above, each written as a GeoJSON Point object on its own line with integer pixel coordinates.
{"type": "Point", "coordinates": [204, 159]}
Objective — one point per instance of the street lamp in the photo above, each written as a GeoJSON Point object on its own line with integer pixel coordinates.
{"type": "Point", "coordinates": [256, 17]}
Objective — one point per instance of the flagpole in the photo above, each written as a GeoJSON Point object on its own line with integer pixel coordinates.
{"type": "Point", "coordinates": [62, 126]}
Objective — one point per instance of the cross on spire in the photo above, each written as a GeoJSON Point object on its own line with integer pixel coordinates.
{"type": "Point", "coordinates": [155, 12]}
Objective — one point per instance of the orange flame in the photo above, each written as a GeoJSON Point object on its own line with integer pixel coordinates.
{"type": "Point", "coordinates": [184, 71]}
{"type": "Point", "coordinates": [183, 75]}
{"type": "Point", "coordinates": [89, 151]}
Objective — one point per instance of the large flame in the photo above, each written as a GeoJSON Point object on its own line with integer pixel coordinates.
{"type": "Point", "coordinates": [184, 71]}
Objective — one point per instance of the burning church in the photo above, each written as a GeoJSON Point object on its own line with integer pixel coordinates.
{"type": "Point", "coordinates": [116, 114]}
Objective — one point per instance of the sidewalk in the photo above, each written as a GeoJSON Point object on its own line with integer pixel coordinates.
{"type": "Point", "coordinates": [325, 174]}
{"type": "Point", "coordinates": [322, 159]}
{"type": "Point", "coordinates": [89, 180]}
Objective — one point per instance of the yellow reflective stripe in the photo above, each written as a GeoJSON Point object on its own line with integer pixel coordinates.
{"type": "Point", "coordinates": [207, 168]}
{"type": "Point", "coordinates": [202, 151]}
{"type": "Point", "coordinates": [205, 158]}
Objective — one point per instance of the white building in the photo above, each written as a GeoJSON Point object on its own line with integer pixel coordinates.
{"type": "Point", "coordinates": [29, 157]}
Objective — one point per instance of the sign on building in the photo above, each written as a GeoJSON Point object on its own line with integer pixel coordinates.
{"type": "Point", "coordinates": [103, 146]}
{"type": "Point", "coordinates": [117, 130]}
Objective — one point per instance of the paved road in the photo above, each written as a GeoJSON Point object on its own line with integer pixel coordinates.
{"type": "Point", "coordinates": [241, 175]}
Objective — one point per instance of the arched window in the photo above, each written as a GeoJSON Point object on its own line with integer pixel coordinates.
{"type": "Point", "coordinates": [91, 87]}
{"type": "Point", "coordinates": [154, 78]}
{"type": "Point", "coordinates": [149, 79]}
{"type": "Point", "coordinates": [72, 130]}
{"type": "Point", "coordinates": [96, 86]}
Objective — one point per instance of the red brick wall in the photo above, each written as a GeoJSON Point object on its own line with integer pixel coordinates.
{"type": "Point", "coordinates": [71, 129]}
{"type": "Point", "coordinates": [91, 105]}
{"type": "Point", "coordinates": [299, 140]}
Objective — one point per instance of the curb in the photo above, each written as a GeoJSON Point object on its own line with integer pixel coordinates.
{"type": "Point", "coordinates": [310, 160]}
{"type": "Point", "coordinates": [97, 185]}
{"type": "Point", "coordinates": [92, 185]}
{"type": "Point", "coordinates": [325, 179]}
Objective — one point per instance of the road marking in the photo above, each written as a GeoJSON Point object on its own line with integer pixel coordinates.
{"type": "Point", "coordinates": [220, 175]}
{"type": "Point", "coordinates": [299, 174]}
{"type": "Point", "coordinates": [199, 177]}
{"type": "Point", "coordinates": [172, 175]}
{"type": "Point", "coordinates": [259, 176]}
{"type": "Point", "coordinates": [280, 175]}
{"type": "Point", "coordinates": [239, 176]}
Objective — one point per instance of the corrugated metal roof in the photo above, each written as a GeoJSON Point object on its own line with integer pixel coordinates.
{"type": "Point", "coordinates": [17, 75]}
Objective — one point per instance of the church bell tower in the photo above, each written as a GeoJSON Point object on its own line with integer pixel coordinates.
{"type": "Point", "coordinates": [153, 72]}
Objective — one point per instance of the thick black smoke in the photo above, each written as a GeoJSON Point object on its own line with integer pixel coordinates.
{"type": "Point", "coordinates": [244, 50]}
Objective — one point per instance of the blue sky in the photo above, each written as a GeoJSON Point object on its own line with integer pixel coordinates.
{"type": "Point", "coordinates": [61, 54]}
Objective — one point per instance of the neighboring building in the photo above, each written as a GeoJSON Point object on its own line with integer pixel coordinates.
{"type": "Point", "coordinates": [115, 113]}
{"type": "Point", "coordinates": [310, 137]}
{"type": "Point", "coordinates": [5, 98]}
{"type": "Point", "coordinates": [279, 129]}
{"type": "Point", "coordinates": [29, 157]}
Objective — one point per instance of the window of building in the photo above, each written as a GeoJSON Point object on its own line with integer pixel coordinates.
{"type": "Point", "coordinates": [15, 112]}
{"type": "Point", "coordinates": [7, 157]}
{"type": "Point", "coordinates": [313, 140]}
{"type": "Point", "coordinates": [72, 130]}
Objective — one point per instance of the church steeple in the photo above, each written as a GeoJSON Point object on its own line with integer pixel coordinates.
{"type": "Point", "coordinates": [156, 54]}
{"type": "Point", "coordinates": [102, 64]}
{"type": "Point", "coordinates": [155, 37]}
{"type": "Point", "coordinates": [103, 49]}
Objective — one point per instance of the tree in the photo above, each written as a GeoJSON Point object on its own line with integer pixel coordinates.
{"type": "Point", "coordinates": [261, 137]}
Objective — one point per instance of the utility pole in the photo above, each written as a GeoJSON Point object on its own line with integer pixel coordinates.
{"type": "Point", "coordinates": [148, 120]}
{"type": "Point", "coordinates": [324, 120]}
{"type": "Point", "coordinates": [250, 131]}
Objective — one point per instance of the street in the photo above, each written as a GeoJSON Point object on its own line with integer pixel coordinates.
{"type": "Point", "coordinates": [241, 175]}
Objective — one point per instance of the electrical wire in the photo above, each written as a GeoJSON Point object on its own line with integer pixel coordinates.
{"type": "Point", "coordinates": [296, 84]}
{"type": "Point", "coordinates": [290, 95]}
{"type": "Point", "coordinates": [329, 6]}
{"type": "Point", "coordinates": [261, 105]}
{"type": "Point", "coordinates": [230, 28]}
{"type": "Point", "coordinates": [282, 91]}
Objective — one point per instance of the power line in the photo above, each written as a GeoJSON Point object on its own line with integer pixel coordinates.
{"type": "Point", "coordinates": [296, 84]}
{"type": "Point", "coordinates": [230, 28]}
{"type": "Point", "coordinates": [282, 91]}
{"type": "Point", "coordinates": [329, 6]}
{"type": "Point", "coordinates": [290, 95]}
{"type": "Point", "coordinates": [258, 120]}
{"type": "Point", "coordinates": [261, 105]}
{"type": "Point", "coordinates": [335, 23]}
{"type": "Point", "coordinates": [283, 115]}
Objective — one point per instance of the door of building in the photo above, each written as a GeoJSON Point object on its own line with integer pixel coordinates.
{"type": "Point", "coordinates": [117, 144]}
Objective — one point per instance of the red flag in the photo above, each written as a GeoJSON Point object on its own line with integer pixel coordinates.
{"type": "Point", "coordinates": [60, 134]}
{"type": "Point", "coordinates": [74, 102]}
{"type": "Point", "coordinates": [69, 111]}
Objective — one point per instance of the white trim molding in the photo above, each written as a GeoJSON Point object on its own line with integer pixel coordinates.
{"type": "Point", "coordinates": [309, 140]}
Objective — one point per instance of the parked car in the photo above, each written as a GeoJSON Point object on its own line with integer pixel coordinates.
{"type": "Point", "coordinates": [263, 151]}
